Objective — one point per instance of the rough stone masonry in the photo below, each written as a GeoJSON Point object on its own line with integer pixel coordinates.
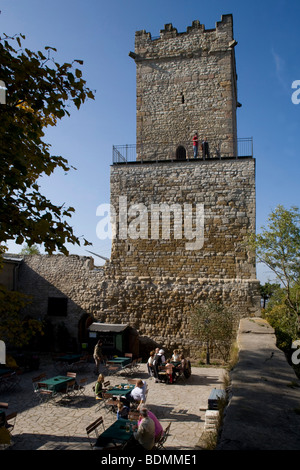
{"type": "Point", "coordinates": [185, 82]}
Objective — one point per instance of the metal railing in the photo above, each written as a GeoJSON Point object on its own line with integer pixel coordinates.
{"type": "Point", "coordinates": [162, 151]}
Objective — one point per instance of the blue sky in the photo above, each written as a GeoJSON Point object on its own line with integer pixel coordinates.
{"type": "Point", "coordinates": [102, 34]}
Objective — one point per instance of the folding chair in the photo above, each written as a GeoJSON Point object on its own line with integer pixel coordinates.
{"type": "Point", "coordinates": [80, 387]}
{"type": "Point", "coordinates": [63, 395]}
{"type": "Point", "coordinates": [130, 368]}
{"type": "Point", "coordinates": [138, 364]}
{"type": "Point", "coordinates": [159, 445]}
{"type": "Point", "coordinates": [71, 374]}
{"type": "Point", "coordinates": [43, 393]}
{"type": "Point", "coordinates": [36, 380]}
{"type": "Point", "coordinates": [162, 374]}
{"type": "Point", "coordinates": [82, 364]}
{"type": "Point", "coordinates": [110, 404]}
{"type": "Point", "coordinates": [9, 381]}
{"type": "Point", "coordinates": [111, 370]}
{"type": "Point", "coordinates": [69, 389]}
{"type": "Point", "coordinates": [93, 428]}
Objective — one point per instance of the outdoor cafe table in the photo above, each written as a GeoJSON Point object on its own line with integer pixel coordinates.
{"type": "Point", "coordinates": [57, 383]}
{"type": "Point", "coordinates": [5, 370]}
{"type": "Point", "coordinates": [119, 432]}
{"type": "Point", "coordinates": [119, 390]}
{"type": "Point", "coordinates": [69, 358]}
{"type": "Point", "coordinates": [122, 361]}
{"type": "Point", "coordinates": [174, 363]}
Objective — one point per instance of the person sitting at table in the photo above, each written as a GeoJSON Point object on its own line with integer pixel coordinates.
{"type": "Point", "coordinates": [170, 371]}
{"type": "Point", "coordinates": [137, 394]}
{"type": "Point", "coordinates": [183, 365]}
{"type": "Point", "coordinates": [158, 431]}
{"type": "Point", "coordinates": [145, 433]}
{"type": "Point", "coordinates": [175, 356]}
{"type": "Point", "coordinates": [99, 387]}
{"type": "Point", "coordinates": [122, 411]}
{"type": "Point", "coordinates": [159, 359]}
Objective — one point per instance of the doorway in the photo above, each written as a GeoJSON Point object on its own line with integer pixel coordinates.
{"type": "Point", "coordinates": [180, 153]}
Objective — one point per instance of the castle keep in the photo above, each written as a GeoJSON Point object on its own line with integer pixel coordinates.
{"type": "Point", "coordinates": [185, 82]}
{"type": "Point", "coordinates": [181, 223]}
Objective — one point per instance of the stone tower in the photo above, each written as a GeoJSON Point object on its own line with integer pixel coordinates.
{"type": "Point", "coordinates": [181, 223]}
{"type": "Point", "coordinates": [185, 82]}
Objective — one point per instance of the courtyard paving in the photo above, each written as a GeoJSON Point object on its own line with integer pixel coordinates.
{"type": "Point", "coordinates": [63, 427]}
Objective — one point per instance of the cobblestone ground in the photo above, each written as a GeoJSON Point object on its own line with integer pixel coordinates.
{"type": "Point", "coordinates": [63, 426]}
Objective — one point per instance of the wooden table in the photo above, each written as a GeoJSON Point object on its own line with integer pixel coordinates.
{"type": "Point", "coordinates": [120, 432]}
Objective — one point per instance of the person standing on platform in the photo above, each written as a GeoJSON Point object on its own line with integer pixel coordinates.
{"type": "Point", "coordinates": [195, 144]}
{"type": "Point", "coordinates": [205, 148]}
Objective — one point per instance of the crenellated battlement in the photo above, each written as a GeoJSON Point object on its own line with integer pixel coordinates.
{"type": "Point", "coordinates": [186, 82]}
{"type": "Point", "coordinates": [224, 28]}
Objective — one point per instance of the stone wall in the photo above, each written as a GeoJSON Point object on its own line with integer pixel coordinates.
{"type": "Point", "coordinates": [226, 191]}
{"type": "Point", "coordinates": [73, 277]}
{"type": "Point", "coordinates": [157, 307]}
{"type": "Point", "coordinates": [185, 82]}
{"type": "Point", "coordinates": [153, 285]}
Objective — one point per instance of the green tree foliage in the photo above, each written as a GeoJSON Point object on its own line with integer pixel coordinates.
{"type": "Point", "coordinates": [214, 325]}
{"type": "Point", "coordinates": [267, 290]}
{"type": "Point", "coordinates": [284, 320]}
{"type": "Point", "coordinates": [15, 330]}
{"type": "Point", "coordinates": [30, 250]}
{"type": "Point", "coordinates": [278, 247]}
{"type": "Point", "coordinates": [39, 93]}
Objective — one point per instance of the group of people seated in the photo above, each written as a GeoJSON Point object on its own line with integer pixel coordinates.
{"type": "Point", "coordinates": [167, 370]}
{"type": "Point", "coordinates": [148, 428]}
{"type": "Point", "coordinates": [137, 395]}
